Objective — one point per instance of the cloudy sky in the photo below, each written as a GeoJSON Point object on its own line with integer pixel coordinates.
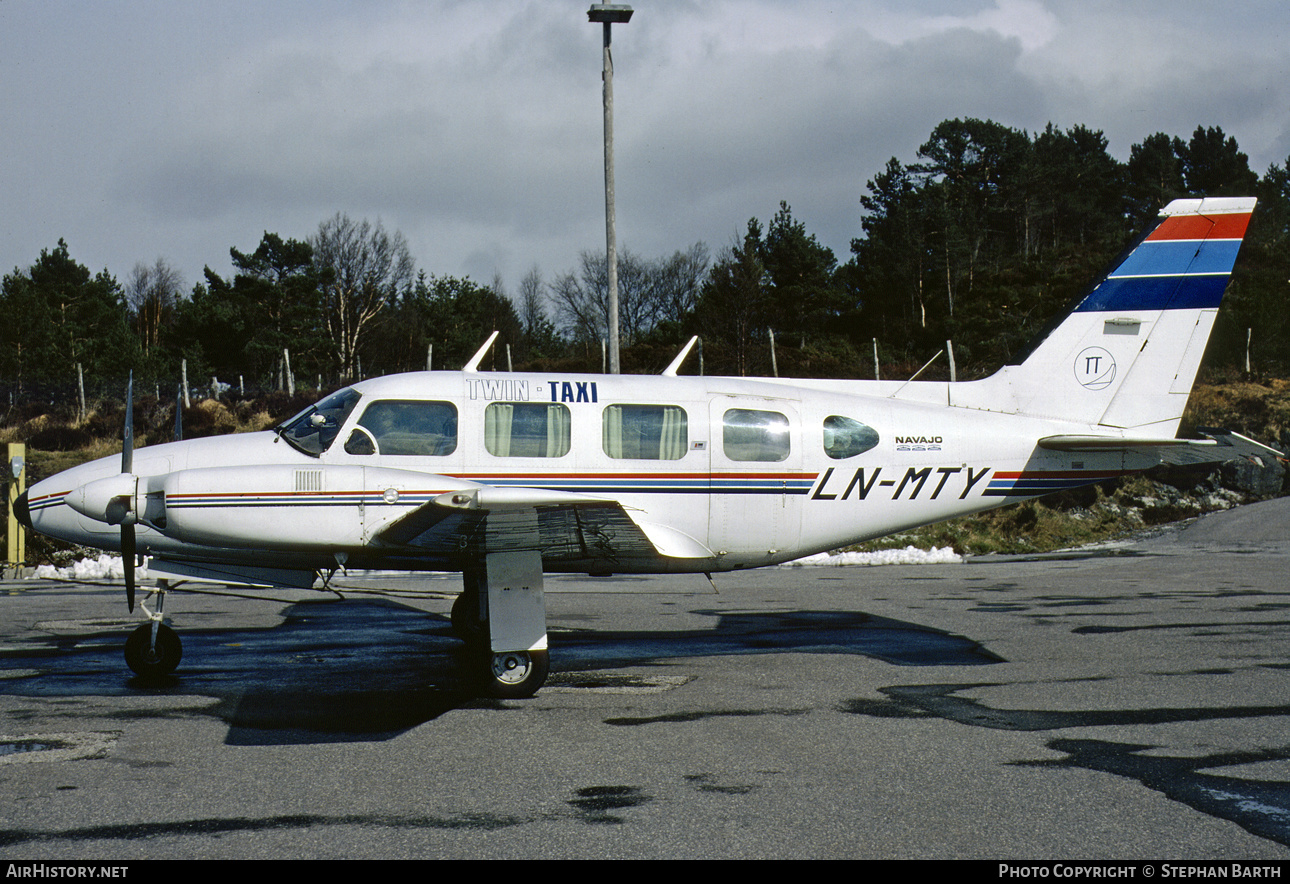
{"type": "Point", "coordinates": [145, 129]}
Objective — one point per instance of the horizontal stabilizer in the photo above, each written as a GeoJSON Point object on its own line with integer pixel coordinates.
{"type": "Point", "coordinates": [1116, 443]}
{"type": "Point", "coordinates": [1220, 447]}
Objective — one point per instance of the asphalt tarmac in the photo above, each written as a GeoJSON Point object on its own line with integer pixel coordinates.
{"type": "Point", "coordinates": [1129, 702]}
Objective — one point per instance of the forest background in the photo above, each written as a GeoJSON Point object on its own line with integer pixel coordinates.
{"type": "Point", "coordinates": [987, 236]}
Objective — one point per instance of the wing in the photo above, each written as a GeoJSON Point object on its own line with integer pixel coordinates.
{"type": "Point", "coordinates": [573, 532]}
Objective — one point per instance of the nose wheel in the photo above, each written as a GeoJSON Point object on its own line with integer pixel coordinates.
{"type": "Point", "coordinates": [153, 650]}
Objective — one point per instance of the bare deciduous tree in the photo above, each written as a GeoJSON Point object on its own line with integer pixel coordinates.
{"type": "Point", "coordinates": [648, 292]}
{"type": "Point", "coordinates": [364, 269]}
{"type": "Point", "coordinates": [152, 293]}
{"type": "Point", "coordinates": [532, 305]}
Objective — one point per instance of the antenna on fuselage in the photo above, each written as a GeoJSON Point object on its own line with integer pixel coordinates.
{"type": "Point", "coordinates": [914, 376]}
{"type": "Point", "coordinates": [473, 364]}
{"type": "Point", "coordinates": [671, 370]}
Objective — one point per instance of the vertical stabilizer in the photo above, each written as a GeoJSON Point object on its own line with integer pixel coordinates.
{"type": "Point", "coordinates": [1127, 353]}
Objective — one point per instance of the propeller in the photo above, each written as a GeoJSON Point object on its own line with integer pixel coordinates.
{"type": "Point", "coordinates": [114, 499]}
{"type": "Point", "coordinates": [179, 413]}
{"type": "Point", "coordinates": [127, 467]}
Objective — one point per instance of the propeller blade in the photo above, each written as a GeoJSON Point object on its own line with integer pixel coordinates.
{"type": "Point", "coordinates": [127, 562]}
{"type": "Point", "coordinates": [127, 466]}
{"type": "Point", "coordinates": [127, 446]}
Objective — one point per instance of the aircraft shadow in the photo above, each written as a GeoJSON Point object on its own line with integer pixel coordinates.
{"type": "Point", "coordinates": [368, 670]}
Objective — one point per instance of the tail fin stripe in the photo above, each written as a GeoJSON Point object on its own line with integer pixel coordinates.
{"type": "Point", "coordinates": [1230, 225]}
{"type": "Point", "coordinates": [1174, 257]}
{"type": "Point", "coordinates": [1156, 293]}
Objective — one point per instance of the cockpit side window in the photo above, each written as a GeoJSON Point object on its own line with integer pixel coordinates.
{"type": "Point", "coordinates": [314, 429]}
{"type": "Point", "coordinates": [406, 428]}
{"type": "Point", "coordinates": [845, 437]}
{"type": "Point", "coordinates": [749, 435]}
{"type": "Point", "coordinates": [644, 432]}
{"type": "Point", "coordinates": [526, 429]}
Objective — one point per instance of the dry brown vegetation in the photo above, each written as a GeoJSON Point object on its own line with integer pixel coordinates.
{"type": "Point", "coordinates": [1258, 409]}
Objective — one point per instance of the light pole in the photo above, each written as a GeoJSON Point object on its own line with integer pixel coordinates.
{"type": "Point", "coordinates": [607, 14]}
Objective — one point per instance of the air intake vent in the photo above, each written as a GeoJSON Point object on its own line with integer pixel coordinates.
{"type": "Point", "coordinates": [309, 480]}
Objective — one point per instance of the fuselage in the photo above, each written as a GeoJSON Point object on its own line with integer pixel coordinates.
{"type": "Point", "coordinates": [735, 473]}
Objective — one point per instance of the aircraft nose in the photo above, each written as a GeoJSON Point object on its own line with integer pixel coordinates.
{"type": "Point", "coordinates": [22, 512]}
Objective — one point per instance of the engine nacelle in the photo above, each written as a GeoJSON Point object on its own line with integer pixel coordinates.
{"type": "Point", "coordinates": [111, 500]}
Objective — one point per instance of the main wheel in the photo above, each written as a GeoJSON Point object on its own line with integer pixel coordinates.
{"type": "Point", "coordinates": [515, 675]}
{"type": "Point", "coordinates": [465, 619]}
{"type": "Point", "coordinates": [149, 661]}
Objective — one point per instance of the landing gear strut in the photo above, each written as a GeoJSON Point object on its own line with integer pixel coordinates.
{"type": "Point", "coordinates": [501, 616]}
{"type": "Point", "coordinates": [153, 650]}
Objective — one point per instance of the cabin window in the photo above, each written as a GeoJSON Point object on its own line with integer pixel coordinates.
{"type": "Point", "coordinates": [405, 428]}
{"type": "Point", "coordinates": [644, 432]}
{"type": "Point", "coordinates": [314, 429]}
{"type": "Point", "coordinates": [844, 437]}
{"type": "Point", "coordinates": [749, 435]}
{"type": "Point", "coordinates": [526, 429]}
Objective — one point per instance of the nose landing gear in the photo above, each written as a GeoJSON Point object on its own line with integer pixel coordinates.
{"type": "Point", "coordinates": [153, 650]}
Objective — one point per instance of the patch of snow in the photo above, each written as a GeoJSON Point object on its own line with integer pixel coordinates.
{"type": "Point", "coordinates": [910, 555]}
{"type": "Point", "coordinates": [104, 567]}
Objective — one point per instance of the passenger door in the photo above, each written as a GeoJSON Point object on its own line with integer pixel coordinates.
{"type": "Point", "coordinates": [756, 482]}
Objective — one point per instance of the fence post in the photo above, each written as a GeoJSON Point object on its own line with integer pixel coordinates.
{"type": "Point", "coordinates": [80, 394]}
{"type": "Point", "coordinates": [16, 548]}
{"type": "Point", "coordinates": [291, 378]}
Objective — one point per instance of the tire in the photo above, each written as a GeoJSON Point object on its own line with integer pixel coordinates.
{"type": "Point", "coordinates": [466, 624]}
{"type": "Point", "coordinates": [148, 663]}
{"type": "Point", "coordinates": [515, 675]}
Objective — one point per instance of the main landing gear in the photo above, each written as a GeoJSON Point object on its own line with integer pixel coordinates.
{"type": "Point", "coordinates": [501, 617]}
{"type": "Point", "coordinates": [153, 650]}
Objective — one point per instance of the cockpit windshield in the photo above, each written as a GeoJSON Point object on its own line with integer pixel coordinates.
{"type": "Point", "coordinates": [314, 429]}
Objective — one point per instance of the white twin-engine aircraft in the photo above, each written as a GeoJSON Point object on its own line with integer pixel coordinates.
{"type": "Point", "coordinates": [505, 476]}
